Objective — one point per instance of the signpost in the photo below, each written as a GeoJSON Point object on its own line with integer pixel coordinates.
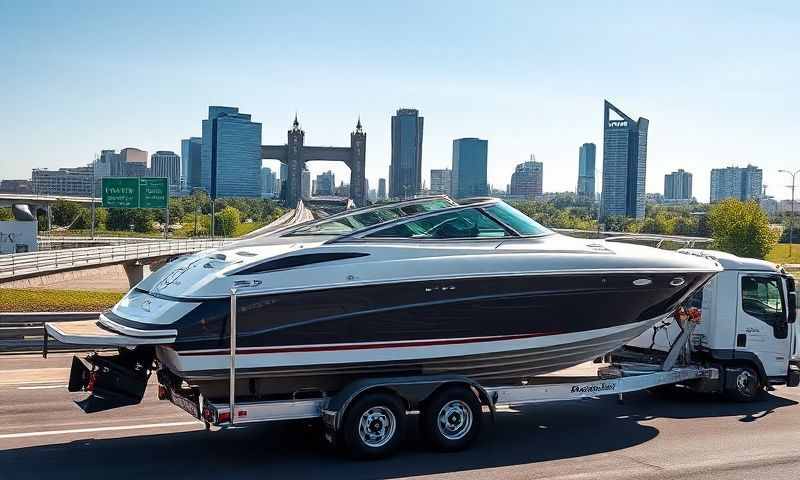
{"type": "Point", "coordinates": [137, 192]}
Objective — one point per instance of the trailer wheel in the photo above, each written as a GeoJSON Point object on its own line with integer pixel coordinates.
{"type": "Point", "coordinates": [373, 426]}
{"type": "Point", "coordinates": [746, 386]}
{"type": "Point", "coordinates": [451, 419]}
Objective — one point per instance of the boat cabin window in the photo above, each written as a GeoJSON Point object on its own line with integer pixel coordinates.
{"type": "Point", "coordinates": [463, 223]}
{"type": "Point", "coordinates": [517, 220]}
{"type": "Point", "coordinates": [356, 221]}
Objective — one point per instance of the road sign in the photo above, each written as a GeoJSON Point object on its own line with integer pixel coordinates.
{"type": "Point", "coordinates": [120, 192]}
{"type": "Point", "coordinates": [153, 192]}
{"type": "Point", "coordinates": [135, 192]}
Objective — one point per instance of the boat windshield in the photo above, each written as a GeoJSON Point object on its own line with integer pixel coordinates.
{"type": "Point", "coordinates": [498, 220]}
{"type": "Point", "coordinates": [358, 220]}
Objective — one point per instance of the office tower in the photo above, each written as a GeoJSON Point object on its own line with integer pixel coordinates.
{"type": "Point", "coordinates": [134, 162]}
{"type": "Point", "coordinates": [381, 189]}
{"type": "Point", "coordinates": [586, 168]}
{"type": "Point", "coordinates": [678, 186]}
{"type": "Point", "coordinates": [734, 182]}
{"type": "Point", "coordinates": [305, 183]}
{"type": "Point", "coordinates": [624, 164]}
{"type": "Point", "coordinates": [469, 167]}
{"type": "Point", "coordinates": [527, 179]}
{"type": "Point", "coordinates": [109, 164]}
{"type": "Point", "coordinates": [268, 178]}
{"type": "Point", "coordinates": [441, 180]}
{"type": "Point", "coordinates": [167, 164]}
{"type": "Point", "coordinates": [230, 154]}
{"type": "Point", "coordinates": [405, 176]}
{"type": "Point", "coordinates": [191, 162]}
{"type": "Point", "coordinates": [325, 184]}
{"type": "Point", "coordinates": [76, 182]}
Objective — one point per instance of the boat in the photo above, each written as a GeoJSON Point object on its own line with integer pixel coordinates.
{"type": "Point", "coordinates": [479, 290]}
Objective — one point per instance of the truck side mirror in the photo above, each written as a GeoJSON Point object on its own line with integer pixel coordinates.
{"type": "Point", "coordinates": [792, 307]}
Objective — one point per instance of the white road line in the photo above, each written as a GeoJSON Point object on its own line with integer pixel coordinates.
{"type": "Point", "coordinates": [41, 387]}
{"type": "Point", "coordinates": [97, 429]}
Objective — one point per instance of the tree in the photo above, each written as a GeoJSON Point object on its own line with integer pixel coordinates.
{"type": "Point", "coordinates": [741, 228]}
{"type": "Point", "coordinates": [123, 218]}
{"type": "Point", "coordinates": [5, 214]}
{"type": "Point", "coordinates": [65, 213]}
{"type": "Point", "coordinates": [226, 221]}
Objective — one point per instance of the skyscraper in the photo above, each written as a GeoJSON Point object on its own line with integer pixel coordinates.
{"type": "Point", "coordinates": [734, 182]}
{"type": "Point", "coordinates": [440, 181]}
{"type": "Point", "coordinates": [405, 172]}
{"type": "Point", "coordinates": [381, 189]}
{"type": "Point", "coordinates": [678, 185]}
{"type": "Point", "coordinates": [305, 183]}
{"type": "Point", "coordinates": [624, 164]}
{"type": "Point", "coordinates": [230, 154]}
{"type": "Point", "coordinates": [191, 162]}
{"type": "Point", "coordinates": [527, 179]}
{"type": "Point", "coordinates": [326, 184]}
{"type": "Point", "coordinates": [268, 180]}
{"type": "Point", "coordinates": [134, 162]}
{"type": "Point", "coordinates": [586, 162]}
{"type": "Point", "coordinates": [166, 164]}
{"type": "Point", "coordinates": [469, 167]}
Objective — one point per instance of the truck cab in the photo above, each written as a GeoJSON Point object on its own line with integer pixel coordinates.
{"type": "Point", "coordinates": [747, 325]}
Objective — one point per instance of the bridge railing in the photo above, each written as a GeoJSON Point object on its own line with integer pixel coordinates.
{"type": "Point", "coordinates": [22, 264]}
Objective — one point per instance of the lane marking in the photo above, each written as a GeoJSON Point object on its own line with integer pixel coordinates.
{"type": "Point", "coordinates": [41, 387]}
{"type": "Point", "coordinates": [97, 429]}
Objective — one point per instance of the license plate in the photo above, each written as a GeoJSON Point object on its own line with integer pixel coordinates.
{"type": "Point", "coordinates": [186, 404]}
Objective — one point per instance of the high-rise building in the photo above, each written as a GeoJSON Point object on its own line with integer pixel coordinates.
{"type": "Point", "coordinates": [167, 164]}
{"type": "Point", "coordinates": [469, 167]}
{"type": "Point", "coordinates": [134, 162]}
{"type": "Point", "coordinates": [325, 184]}
{"type": "Point", "coordinates": [405, 172]}
{"type": "Point", "coordinates": [64, 181]}
{"type": "Point", "coordinates": [527, 179]}
{"type": "Point", "coordinates": [305, 183]}
{"type": "Point", "coordinates": [586, 168]}
{"type": "Point", "coordinates": [109, 164]}
{"type": "Point", "coordinates": [624, 164]}
{"type": "Point", "coordinates": [381, 189]}
{"type": "Point", "coordinates": [441, 181]}
{"type": "Point", "coordinates": [268, 180]}
{"type": "Point", "coordinates": [734, 182]}
{"type": "Point", "coordinates": [191, 162]}
{"type": "Point", "coordinates": [678, 186]}
{"type": "Point", "coordinates": [230, 154]}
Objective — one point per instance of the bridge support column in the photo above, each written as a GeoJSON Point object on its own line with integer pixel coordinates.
{"type": "Point", "coordinates": [135, 273]}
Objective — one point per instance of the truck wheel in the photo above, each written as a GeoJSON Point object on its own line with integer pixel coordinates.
{"type": "Point", "coordinates": [451, 419]}
{"type": "Point", "coordinates": [373, 426]}
{"type": "Point", "coordinates": [746, 385]}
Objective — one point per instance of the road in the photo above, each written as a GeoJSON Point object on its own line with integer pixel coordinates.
{"type": "Point", "coordinates": [43, 435]}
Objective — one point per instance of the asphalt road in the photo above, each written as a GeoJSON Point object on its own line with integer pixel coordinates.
{"type": "Point", "coordinates": [43, 435]}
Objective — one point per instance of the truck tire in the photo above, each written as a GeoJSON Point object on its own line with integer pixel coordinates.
{"type": "Point", "coordinates": [373, 426]}
{"type": "Point", "coordinates": [745, 385]}
{"type": "Point", "coordinates": [451, 419]}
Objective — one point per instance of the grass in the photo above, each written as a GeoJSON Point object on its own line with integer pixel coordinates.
{"type": "Point", "coordinates": [19, 300]}
{"type": "Point", "coordinates": [245, 228]}
{"type": "Point", "coordinates": [780, 254]}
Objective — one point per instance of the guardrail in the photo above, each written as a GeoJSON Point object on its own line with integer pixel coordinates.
{"type": "Point", "coordinates": [299, 214]}
{"type": "Point", "coordinates": [24, 332]}
{"type": "Point", "coordinates": [32, 263]}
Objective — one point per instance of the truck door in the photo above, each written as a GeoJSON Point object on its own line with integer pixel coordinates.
{"type": "Point", "coordinates": [761, 323]}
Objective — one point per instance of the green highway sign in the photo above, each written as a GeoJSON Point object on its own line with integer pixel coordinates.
{"type": "Point", "coordinates": [153, 192]}
{"type": "Point", "coordinates": [120, 192]}
{"type": "Point", "coordinates": [135, 192]}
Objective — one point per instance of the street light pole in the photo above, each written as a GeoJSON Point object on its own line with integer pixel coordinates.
{"type": "Point", "coordinates": [791, 217]}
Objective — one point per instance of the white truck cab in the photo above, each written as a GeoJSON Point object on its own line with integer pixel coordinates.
{"type": "Point", "coordinates": [747, 325]}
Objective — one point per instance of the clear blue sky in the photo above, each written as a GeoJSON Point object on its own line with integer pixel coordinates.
{"type": "Point", "coordinates": [718, 80]}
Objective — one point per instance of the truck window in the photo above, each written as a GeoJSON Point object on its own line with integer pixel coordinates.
{"type": "Point", "coordinates": [762, 298]}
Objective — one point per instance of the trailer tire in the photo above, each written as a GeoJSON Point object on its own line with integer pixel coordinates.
{"type": "Point", "coordinates": [746, 385]}
{"type": "Point", "coordinates": [373, 426]}
{"type": "Point", "coordinates": [451, 419]}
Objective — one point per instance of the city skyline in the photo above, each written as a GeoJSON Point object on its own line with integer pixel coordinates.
{"type": "Point", "coordinates": [685, 78]}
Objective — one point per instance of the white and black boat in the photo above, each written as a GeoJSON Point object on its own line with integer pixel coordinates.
{"type": "Point", "coordinates": [479, 290]}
